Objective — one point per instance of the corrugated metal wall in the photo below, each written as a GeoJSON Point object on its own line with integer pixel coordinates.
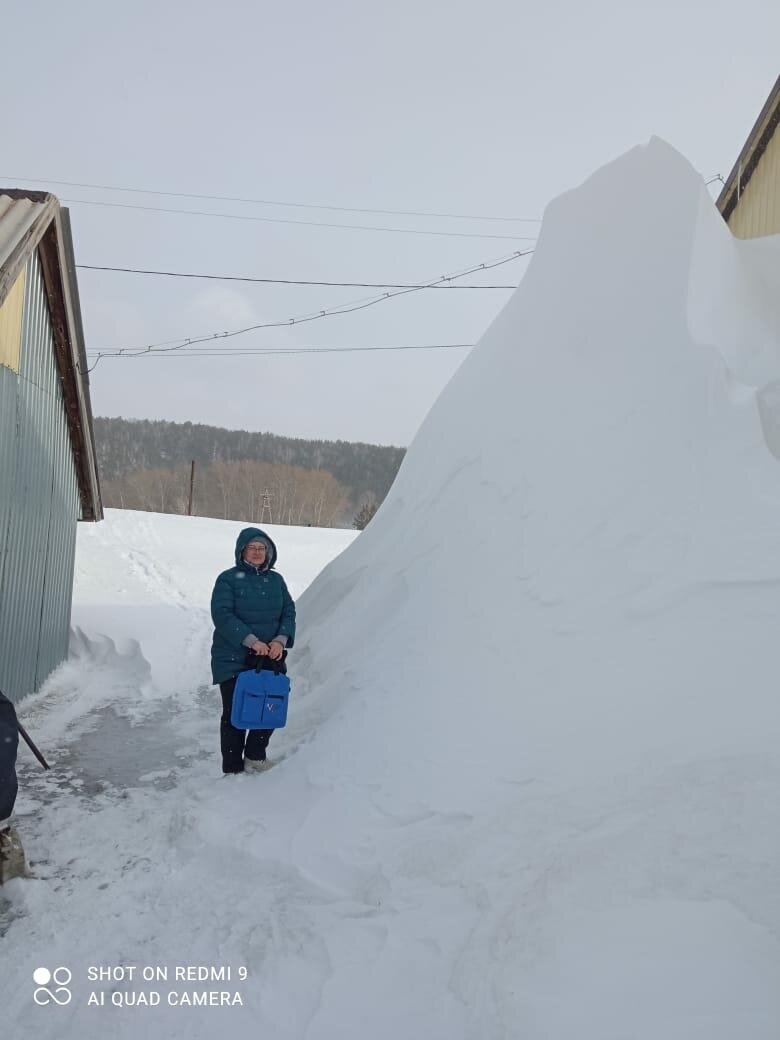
{"type": "Point", "coordinates": [758, 210]}
{"type": "Point", "coordinates": [39, 505]}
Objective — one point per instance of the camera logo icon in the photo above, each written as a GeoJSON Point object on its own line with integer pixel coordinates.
{"type": "Point", "coordinates": [43, 978]}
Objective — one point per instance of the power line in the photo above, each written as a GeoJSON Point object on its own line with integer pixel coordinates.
{"type": "Point", "coordinates": [256, 351]}
{"type": "Point", "coordinates": [286, 281]}
{"type": "Point", "coordinates": [300, 223]}
{"type": "Point", "coordinates": [271, 202]}
{"type": "Point", "coordinates": [347, 308]}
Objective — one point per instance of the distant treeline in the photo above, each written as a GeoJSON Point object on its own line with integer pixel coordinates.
{"type": "Point", "coordinates": [145, 464]}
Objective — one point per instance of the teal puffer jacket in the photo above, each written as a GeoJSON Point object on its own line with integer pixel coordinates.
{"type": "Point", "coordinates": [247, 601]}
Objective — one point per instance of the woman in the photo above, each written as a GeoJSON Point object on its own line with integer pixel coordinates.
{"type": "Point", "coordinates": [253, 615]}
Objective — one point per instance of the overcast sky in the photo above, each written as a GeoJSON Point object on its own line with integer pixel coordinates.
{"type": "Point", "coordinates": [429, 106]}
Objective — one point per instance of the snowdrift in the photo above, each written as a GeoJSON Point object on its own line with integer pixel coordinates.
{"type": "Point", "coordinates": [550, 660]}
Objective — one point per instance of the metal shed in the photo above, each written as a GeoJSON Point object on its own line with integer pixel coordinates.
{"type": "Point", "coordinates": [750, 199]}
{"type": "Point", "coordinates": [48, 475]}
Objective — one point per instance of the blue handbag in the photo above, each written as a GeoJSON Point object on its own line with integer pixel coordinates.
{"type": "Point", "coordinates": [260, 698]}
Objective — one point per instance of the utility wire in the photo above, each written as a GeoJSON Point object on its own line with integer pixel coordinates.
{"type": "Point", "coordinates": [286, 281]}
{"type": "Point", "coordinates": [347, 308]}
{"type": "Point", "coordinates": [300, 223]}
{"type": "Point", "coordinates": [187, 352]}
{"type": "Point", "coordinates": [271, 202]}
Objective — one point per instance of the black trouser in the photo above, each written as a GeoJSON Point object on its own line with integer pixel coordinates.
{"type": "Point", "coordinates": [237, 743]}
{"type": "Point", "coordinates": [9, 742]}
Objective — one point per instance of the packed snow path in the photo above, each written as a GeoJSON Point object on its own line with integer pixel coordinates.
{"type": "Point", "coordinates": [140, 850]}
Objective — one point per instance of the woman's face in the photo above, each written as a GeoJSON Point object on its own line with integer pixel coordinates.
{"type": "Point", "coordinates": [254, 553]}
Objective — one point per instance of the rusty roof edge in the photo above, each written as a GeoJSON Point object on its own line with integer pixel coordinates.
{"type": "Point", "coordinates": [28, 235]}
{"type": "Point", "coordinates": [79, 359]}
{"type": "Point", "coordinates": [754, 147]}
{"type": "Point", "coordinates": [27, 193]}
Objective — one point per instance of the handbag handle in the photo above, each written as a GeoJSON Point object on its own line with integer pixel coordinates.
{"type": "Point", "coordinates": [260, 664]}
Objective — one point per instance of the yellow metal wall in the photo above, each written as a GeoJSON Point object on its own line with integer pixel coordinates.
{"type": "Point", "coordinates": [11, 325]}
{"type": "Point", "coordinates": [758, 210]}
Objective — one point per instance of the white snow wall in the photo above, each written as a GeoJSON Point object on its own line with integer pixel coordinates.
{"type": "Point", "coordinates": [550, 658]}
{"type": "Point", "coordinates": [564, 617]}
{"type": "Point", "coordinates": [591, 470]}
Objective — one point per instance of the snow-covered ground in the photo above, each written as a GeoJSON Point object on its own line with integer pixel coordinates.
{"type": "Point", "coordinates": [531, 783]}
{"type": "Point", "coordinates": [130, 725]}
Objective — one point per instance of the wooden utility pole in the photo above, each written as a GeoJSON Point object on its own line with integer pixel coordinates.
{"type": "Point", "coordinates": [192, 486]}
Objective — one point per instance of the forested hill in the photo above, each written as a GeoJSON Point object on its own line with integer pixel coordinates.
{"type": "Point", "coordinates": [127, 445]}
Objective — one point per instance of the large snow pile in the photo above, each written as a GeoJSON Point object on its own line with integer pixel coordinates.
{"type": "Point", "coordinates": [530, 785]}
{"type": "Point", "coordinates": [554, 650]}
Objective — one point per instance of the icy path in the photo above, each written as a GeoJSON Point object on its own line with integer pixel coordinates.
{"type": "Point", "coordinates": [140, 854]}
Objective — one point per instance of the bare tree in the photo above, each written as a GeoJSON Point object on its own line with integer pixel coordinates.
{"type": "Point", "coordinates": [249, 490]}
